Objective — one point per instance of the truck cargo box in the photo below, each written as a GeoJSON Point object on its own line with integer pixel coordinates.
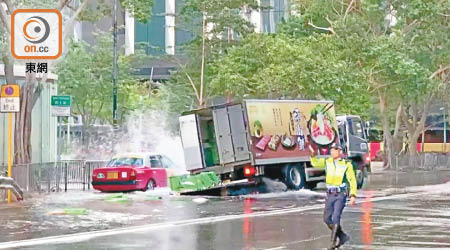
{"type": "Point", "coordinates": [259, 132]}
{"type": "Point", "coordinates": [281, 130]}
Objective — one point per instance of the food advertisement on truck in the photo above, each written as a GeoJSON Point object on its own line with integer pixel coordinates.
{"type": "Point", "coordinates": [284, 129]}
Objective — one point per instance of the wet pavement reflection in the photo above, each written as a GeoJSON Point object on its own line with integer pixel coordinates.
{"type": "Point", "coordinates": [395, 211]}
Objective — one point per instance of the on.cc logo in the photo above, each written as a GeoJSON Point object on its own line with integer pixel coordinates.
{"type": "Point", "coordinates": [36, 29]}
{"type": "Point", "coordinates": [36, 33]}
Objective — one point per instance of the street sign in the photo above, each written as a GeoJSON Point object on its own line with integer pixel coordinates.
{"type": "Point", "coordinates": [10, 103]}
{"type": "Point", "coordinates": [61, 105]}
{"type": "Point", "coordinates": [10, 98]}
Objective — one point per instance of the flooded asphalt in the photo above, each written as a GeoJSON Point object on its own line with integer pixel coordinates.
{"type": "Point", "coordinates": [395, 210]}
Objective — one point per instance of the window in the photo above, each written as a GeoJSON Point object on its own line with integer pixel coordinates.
{"type": "Point", "coordinates": [155, 162]}
{"type": "Point", "coordinates": [150, 36]}
{"type": "Point", "coordinates": [167, 163]}
{"type": "Point", "coordinates": [126, 161]}
{"type": "Point", "coordinates": [273, 12]}
{"type": "Point", "coordinates": [342, 134]}
{"type": "Point", "coordinates": [356, 128]}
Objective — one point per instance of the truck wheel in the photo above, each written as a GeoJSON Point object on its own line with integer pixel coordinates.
{"type": "Point", "coordinates": [294, 176]}
{"type": "Point", "coordinates": [360, 175]}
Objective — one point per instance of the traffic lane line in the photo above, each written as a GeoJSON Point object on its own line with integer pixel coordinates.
{"type": "Point", "coordinates": [78, 237]}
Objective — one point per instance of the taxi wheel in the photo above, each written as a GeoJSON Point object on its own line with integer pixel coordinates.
{"type": "Point", "coordinates": [151, 184]}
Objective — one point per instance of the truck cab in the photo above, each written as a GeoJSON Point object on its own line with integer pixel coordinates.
{"type": "Point", "coordinates": [353, 138]}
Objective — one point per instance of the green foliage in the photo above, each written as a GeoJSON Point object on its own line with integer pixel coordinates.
{"type": "Point", "coordinates": [221, 17]}
{"type": "Point", "coordinates": [362, 56]}
{"type": "Point", "coordinates": [222, 14]}
{"type": "Point", "coordinates": [95, 11]}
{"type": "Point", "coordinates": [86, 75]}
{"type": "Point", "coordinates": [140, 9]}
{"type": "Point", "coordinates": [280, 66]}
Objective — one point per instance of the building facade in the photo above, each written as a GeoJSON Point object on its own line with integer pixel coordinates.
{"type": "Point", "coordinates": [165, 35]}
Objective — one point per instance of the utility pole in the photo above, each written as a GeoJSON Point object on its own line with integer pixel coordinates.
{"type": "Point", "coordinates": [115, 67]}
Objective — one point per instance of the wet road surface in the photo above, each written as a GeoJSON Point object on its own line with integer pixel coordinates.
{"type": "Point", "coordinates": [394, 211]}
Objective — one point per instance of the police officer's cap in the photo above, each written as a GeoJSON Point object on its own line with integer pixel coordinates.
{"type": "Point", "coordinates": [336, 146]}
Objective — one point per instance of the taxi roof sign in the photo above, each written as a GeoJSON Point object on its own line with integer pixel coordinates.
{"type": "Point", "coordinates": [10, 90]}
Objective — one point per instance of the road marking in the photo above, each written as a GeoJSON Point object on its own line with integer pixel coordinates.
{"type": "Point", "coordinates": [77, 237]}
{"type": "Point", "coordinates": [440, 244]}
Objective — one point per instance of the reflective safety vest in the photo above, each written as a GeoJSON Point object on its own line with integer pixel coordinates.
{"type": "Point", "coordinates": [337, 172]}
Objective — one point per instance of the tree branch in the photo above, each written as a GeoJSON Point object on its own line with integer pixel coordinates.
{"type": "Point", "coordinates": [11, 7]}
{"type": "Point", "coordinates": [73, 18]}
{"type": "Point", "coordinates": [193, 86]}
{"type": "Point", "coordinates": [414, 115]}
{"type": "Point", "coordinates": [424, 115]}
{"type": "Point", "coordinates": [334, 9]}
{"type": "Point", "coordinates": [398, 119]}
{"type": "Point", "coordinates": [404, 117]}
{"type": "Point", "coordinates": [349, 7]}
{"type": "Point", "coordinates": [62, 4]}
{"type": "Point", "coordinates": [4, 18]}
{"type": "Point", "coordinates": [36, 94]}
{"type": "Point", "coordinates": [202, 72]}
{"type": "Point", "coordinates": [378, 87]}
{"type": "Point", "coordinates": [408, 28]}
{"type": "Point", "coordinates": [329, 29]}
{"type": "Point", "coordinates": [190, 80]}
{"type": "Point", "coordinates": [439, 71]}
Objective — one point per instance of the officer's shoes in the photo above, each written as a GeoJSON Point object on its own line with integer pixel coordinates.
{"type": "Point", "coordinates": [343, 237]}
{"type": "Point", "coordinates": [334, 234]}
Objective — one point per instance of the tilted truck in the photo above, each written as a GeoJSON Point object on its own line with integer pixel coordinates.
{"type": "Point", "coordinates": [270, 138]}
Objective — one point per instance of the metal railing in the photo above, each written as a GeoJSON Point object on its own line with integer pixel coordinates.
{"type": "Point", "coordinates": [54, 176]}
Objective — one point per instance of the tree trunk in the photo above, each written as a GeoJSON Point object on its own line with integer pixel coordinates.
{"type": "Point", "coordinates": [417, 128]}
{"type": "Point", "coordinates": [9, 69]}
{"type": "Point", "coordinates": [397, 139]}
{"type": "Point", "coordinates": [85, 138]}
{"type": "Point", "coordinates": [386, 131]}
{"type": "Point", "coordinates": [201, 101]}
{"type": "Point", "coordinates": [22, 135]}
{"type": "Point", "coordinates": [23, 122]}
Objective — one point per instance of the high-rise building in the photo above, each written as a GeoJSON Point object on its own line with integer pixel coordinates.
{"type": "Point", "coordinates": [165, 35]}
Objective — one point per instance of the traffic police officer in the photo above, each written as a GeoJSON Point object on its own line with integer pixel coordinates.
{"type": "Point", "coordinates": [339, 172]}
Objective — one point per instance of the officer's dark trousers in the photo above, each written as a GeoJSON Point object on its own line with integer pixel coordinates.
{"type": "Point", "coordinates": [333, 208]}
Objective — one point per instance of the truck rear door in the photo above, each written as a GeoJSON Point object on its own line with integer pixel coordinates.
{"type": "Point", "coordinates": [223, 135]}
{"type": "Point", "coordinates": [238, 133]}
{"type": "Point", "coordinates": [191, 142]}
{"type": "Point", "coordinates": [231, 134]}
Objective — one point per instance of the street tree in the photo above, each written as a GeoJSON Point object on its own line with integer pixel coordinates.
{"type": "Point", "coordinates": [30, 90]}
{"type": "Point", "coordinates": [400, 46]}
{"type": "Point", "coordinates": [281, 66]}
{"type": "Point", "coordinates": [401, 59]}
{"type": "Point", "coordinates": [85, 74]}
{"type": "Point", "coordinates": [216, 25]}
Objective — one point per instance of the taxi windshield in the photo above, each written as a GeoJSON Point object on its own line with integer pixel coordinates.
{"type": "Point", "coordinates": [126, 161]}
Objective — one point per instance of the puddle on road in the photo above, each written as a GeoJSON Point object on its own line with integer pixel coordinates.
{"type": "Point", "coordinates": [300, 193]}
{"type": "Point", "coordinates": [31, 218]}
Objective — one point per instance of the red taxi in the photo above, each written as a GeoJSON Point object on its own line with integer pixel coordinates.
{"type": "Point", "coordinates": [130, 172]}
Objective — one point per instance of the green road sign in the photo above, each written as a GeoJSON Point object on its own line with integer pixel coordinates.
{"type": "Point", "coordinates": [61, 100]}
{"type": "Point", "coordinates": [61, 105]}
